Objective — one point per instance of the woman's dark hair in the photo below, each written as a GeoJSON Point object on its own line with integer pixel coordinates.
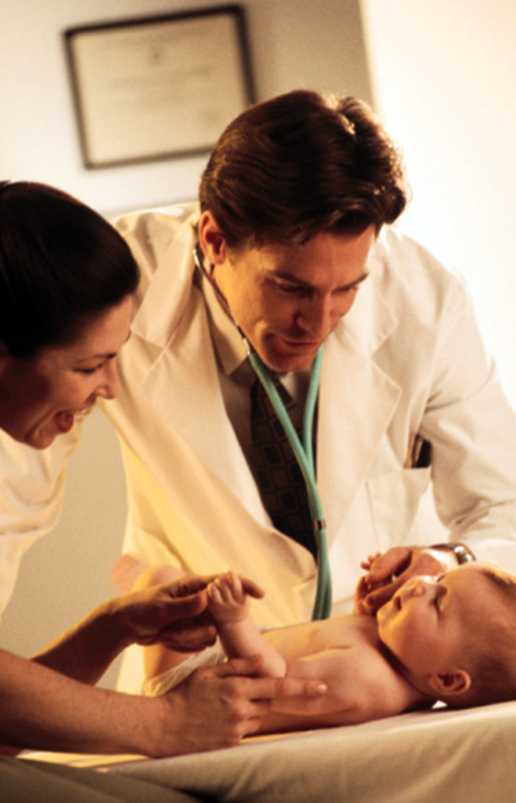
{"type": "Point", "coordinates": [301, 164]}
{"type": "Point", "coordinates": [61, 264]}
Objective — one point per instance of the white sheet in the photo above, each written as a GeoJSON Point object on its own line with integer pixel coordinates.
{"type": "Point", "coordinates": [437, 756]}
{"type": "Point", "coordinates": [422, 757]}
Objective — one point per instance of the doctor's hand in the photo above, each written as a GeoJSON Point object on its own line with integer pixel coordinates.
{"type": "Point", "coordinates": [388, 571]}
{"type": "Point", "coordinates": [218, 705]}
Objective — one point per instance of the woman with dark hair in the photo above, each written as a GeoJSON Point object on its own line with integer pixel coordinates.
{"type": "Point", "coordinates": [67, 281]}
{"type": "Point", "coordinates": [66, 300]}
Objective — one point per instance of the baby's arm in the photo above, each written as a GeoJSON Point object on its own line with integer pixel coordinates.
{"type": "Point", "coordinates": [361, 687]}
{"type": "Point", "coordinates": [240, 637]}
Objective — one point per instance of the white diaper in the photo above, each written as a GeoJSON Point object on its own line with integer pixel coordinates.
{"type": "Point", "coordinates": [161, 684]}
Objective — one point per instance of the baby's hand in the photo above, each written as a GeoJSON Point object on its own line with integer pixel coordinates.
{"type": "Point", "coordinates": [227, 600]}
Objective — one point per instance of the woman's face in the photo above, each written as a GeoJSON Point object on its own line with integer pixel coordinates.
{"type": "Point", "coordinates": [40, 397]}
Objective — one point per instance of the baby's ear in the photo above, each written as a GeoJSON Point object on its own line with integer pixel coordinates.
{"type": "Point", "coordinates": [457, 681]}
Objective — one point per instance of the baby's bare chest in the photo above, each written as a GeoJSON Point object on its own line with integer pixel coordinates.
{"type": "Point", "coordinates": [340, 632]}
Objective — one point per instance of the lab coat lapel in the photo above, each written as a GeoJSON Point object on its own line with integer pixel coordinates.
{"type": "Point", "coordinates": [356, 403]}
{"type": "Point", "coordinates": [192, 405]}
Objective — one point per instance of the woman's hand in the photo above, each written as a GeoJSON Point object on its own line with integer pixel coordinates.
{"type": "Point", "coordinates": [174, 614]}
{"type": "Point", "coordinates": [218, 705]}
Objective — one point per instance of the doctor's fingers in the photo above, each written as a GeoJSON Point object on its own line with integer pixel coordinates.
{"type": "Point", "coordinates": [421, 562]}
{"type": "Point", "coordinates": [393, 562]}
{"type": "Point", "coordinates": [361, 591]}
{"type": "Point", "coordinates": [368, 562]}
{"type": "Point", "coordinates": [374, 600]}
{"type": "Point", "coordinates": [426, 562]}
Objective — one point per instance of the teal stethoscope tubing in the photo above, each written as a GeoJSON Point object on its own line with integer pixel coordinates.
{"type": "Point", "coordinates": [303, 452]}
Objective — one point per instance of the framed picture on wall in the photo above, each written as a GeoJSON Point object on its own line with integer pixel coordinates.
{"type": "Point", "coordinates": [158, 87]}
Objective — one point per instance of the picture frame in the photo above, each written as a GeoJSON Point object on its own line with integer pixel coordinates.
{"type": "Point", "coordinates": [158, 87]}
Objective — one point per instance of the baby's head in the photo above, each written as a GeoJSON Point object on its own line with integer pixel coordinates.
{"type": "Point", "coordinates": [455, 635]}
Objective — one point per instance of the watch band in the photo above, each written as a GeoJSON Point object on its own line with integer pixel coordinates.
{"type": "Point", "coordinates": [463, 554]}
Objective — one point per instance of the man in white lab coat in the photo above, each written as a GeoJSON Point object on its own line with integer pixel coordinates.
{"type": "Point", "coordinates": [294, 247]}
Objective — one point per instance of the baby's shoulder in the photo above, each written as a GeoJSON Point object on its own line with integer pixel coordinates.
{"type": "Point", "coordinates": [365, 658]}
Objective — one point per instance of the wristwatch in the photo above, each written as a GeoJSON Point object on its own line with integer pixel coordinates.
{"type": "Point", "coordinates": [463, 554]}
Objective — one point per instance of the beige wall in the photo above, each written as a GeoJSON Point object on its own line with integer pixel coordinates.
{"type": "Point", "coordinates": [444, 76]}
{"type": "Point", "coordinates": [293, 43]}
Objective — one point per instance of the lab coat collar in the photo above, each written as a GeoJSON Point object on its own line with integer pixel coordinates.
{"type": "Point", "coordinates": [370, 321]}
{"type": "Point", "coordinates": [357, 398]}
{"type": "Point", "coordinates": [231, 350]}
{"type": "Point", "coordinates": [156, 321]}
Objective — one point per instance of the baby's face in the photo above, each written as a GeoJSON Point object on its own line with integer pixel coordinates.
{"type": "Point", "coordinates": [426, 622]}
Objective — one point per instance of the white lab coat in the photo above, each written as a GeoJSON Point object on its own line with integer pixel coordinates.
{"type": "Point", "coordinates": [407, 359]}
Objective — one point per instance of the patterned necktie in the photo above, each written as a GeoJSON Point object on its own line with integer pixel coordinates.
{"type": "Point", "coordinates": [277, 474]}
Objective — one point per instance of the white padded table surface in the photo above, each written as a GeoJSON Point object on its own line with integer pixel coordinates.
{"type": "Point", "coordinates": [420, 757]}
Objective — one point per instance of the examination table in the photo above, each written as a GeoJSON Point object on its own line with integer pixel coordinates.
{"type": "Point", "coordinates": [436, 756]}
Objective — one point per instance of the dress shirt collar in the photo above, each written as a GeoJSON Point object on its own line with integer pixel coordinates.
{"type": "Point", "coordinates": [230, 349]}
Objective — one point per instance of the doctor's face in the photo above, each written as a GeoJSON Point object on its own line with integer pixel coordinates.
{"type": "Point", "coordinates": [41, 397]}
{"type": "Point", "coordinates": [429, 622]}
{"type": "Point", "coordinates": [288, 299]}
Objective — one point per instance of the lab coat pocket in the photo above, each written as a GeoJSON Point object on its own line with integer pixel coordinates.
{"type": "Point", "coordinates": [395, 498]}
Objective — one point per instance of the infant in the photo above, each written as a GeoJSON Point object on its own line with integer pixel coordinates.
{"type": "Point", "coordinates": [450, 638]}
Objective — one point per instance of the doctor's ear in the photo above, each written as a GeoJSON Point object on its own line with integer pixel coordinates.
{"type": "Point", "coordinates": [448, 684]}
{"type": "Point", "coordinates": [211, 241]}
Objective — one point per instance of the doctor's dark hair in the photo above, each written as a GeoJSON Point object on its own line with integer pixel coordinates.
{"type": "Point", "coordinates": [301, 164]}
{"type": "Point", "coordinates": [61, 264]}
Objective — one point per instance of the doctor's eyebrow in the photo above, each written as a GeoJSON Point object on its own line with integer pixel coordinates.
{"type": "Point", "coordinates": [295, 280]}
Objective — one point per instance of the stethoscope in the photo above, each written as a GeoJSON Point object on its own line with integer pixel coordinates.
{"type": "Point", "coordinates": [302, 448]}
